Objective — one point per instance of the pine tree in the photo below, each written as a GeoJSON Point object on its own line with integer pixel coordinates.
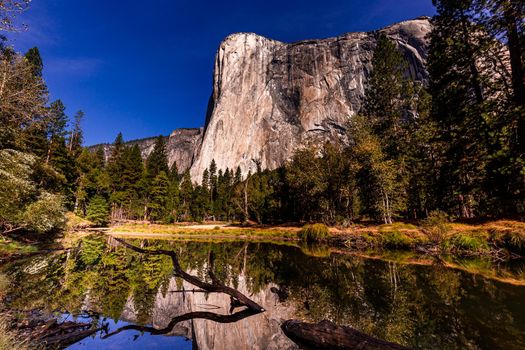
{"type": "Point", "coordinates": [76, 135]}
{"type": "Point", "coordinates": [159, 195]}
{"type": "Point", "coordinates": [98, 211]}
{"type": "Point", "coordinates": [35, 60]}
{"type": "Point", "coordinates": [384, 92]}
{"type": "Point", "coordinates": [158, 159]}
{"type": "Point", "coordinates": [186, 194]}
{"type": "Point", "coordinates": [460, 105]}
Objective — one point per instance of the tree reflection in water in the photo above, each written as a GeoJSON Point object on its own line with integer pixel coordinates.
{"type": "Point", "coordinates": [415, 305]}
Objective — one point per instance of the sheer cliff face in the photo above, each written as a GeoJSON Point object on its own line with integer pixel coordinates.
{"type": "Point", "coordinates": [269, 98]}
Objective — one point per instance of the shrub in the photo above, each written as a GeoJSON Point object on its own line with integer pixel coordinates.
{"type": "Point", "coordinates": [315, 232]}
{"type": "Point", "coordinates": [45, 215]}
{"type": "Point", "coordinates": [437, 225]}
{"type": "Point", "coordinates": [98, 211]}
{"type": "Point", "coordinates": [396, 239]}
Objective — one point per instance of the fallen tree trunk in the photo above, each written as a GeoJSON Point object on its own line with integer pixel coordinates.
{"type": "Point", "coordinates": [216, 287]}
{"type": "Point", "coordinates": [327, 335]}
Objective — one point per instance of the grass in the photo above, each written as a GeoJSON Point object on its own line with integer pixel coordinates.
{"type": "Point", "coordinates": [314, 233]}
{"type": "Point", "coordinates": [467, 243]}
{"type": "Point", "coordinates": [9, 339]}
{"type": "Point", "coordinates": [74, 221]}
{"type": "Point", "coordinates": [206, 230]}
{"type": "Point", "coordinates": [436, 231]}
{"type": "Point", "coordinates": [397, 240]}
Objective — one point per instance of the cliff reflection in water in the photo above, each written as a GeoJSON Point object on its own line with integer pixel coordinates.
{"type": "Point", "coordinates": [415, 305]}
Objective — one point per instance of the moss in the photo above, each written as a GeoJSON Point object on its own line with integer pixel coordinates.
{"type": "Point", "coordinates": [315, 232]}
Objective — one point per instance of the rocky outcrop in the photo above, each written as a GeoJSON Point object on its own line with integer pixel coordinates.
{"type": "Point", "coordinates": [180, 145]}
{"type": "Point", "coordinates": [269, 97]}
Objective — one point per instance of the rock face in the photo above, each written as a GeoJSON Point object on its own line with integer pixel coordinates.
{"type": "Point", "coordinates": [269, 97]}
{"type": "Point", "coordinates": [180, 145]}
{"type": "Point", "coordinates": [260, 331]}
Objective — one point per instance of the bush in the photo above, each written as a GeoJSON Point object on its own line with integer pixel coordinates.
{"type": "Point", "coordinates": [437, 225]}
{"type": "Point", "coordinates": [98, 211]}
{"type": "Point", "coordinates": [396, 239]}
{"type": "Point", "coordinates": [315, 232]}
{"type": "Point", "coordinates": [45, 215]}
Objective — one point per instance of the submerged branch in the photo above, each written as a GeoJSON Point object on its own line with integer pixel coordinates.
{"type": "Point", "coordinates": [188, 316]}
{"type": "Point", "coordinates": [215, 287]}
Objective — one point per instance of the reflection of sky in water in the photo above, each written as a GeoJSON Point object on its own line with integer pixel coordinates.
{"type": "Point", "coordinates": [131, 339]}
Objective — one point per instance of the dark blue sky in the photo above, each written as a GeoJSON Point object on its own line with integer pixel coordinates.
{"type": "Point", "coordinates": [145, 67]}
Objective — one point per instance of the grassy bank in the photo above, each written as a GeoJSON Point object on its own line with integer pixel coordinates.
{"type": "Point", "coordinates": [495, 237]}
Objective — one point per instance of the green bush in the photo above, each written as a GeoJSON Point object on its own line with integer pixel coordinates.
{"type": "Point", "coordinates": [437, 225]}
{"type": "Point", "coordinates": [396, 239]}
{"type": "Point", "coordinates": [315, 232]}
{"type": "Point", "coordinates": [45, 215]}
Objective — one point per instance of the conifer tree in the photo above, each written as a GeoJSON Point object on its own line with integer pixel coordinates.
{"type": "Point", "coordinates": [98, 211]}
{"type": "Point", "coordinates": [159, 195]}
{"type": "Point", "coordinates": [158, 159]}
{"type": "Point", "coordinates": [35, 60]}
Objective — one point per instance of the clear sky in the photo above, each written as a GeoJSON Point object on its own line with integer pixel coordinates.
{"type": "Point", "coordinates": [145, 67]}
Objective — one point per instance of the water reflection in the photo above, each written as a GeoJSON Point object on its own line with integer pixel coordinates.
{"type": "Point", "coordinates": [430, 307]}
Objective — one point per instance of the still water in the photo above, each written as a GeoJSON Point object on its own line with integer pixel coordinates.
{"type": "Point", "coordinates": [471, 304]}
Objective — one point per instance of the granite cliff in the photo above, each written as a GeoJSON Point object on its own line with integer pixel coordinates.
{"type": "Point", "coordinates": [270, 98]}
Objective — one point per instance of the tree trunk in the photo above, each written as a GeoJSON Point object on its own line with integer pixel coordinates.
{"type": "Point", "coordinates": [518, 85]}
{"type": "Point", "coordinates": [327, 335]}
{"type": "Point", "coordinates": [475, 81]}
{"type": "Point", "coordinates": [512, 16]}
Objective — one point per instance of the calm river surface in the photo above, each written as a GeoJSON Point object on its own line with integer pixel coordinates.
{"type": "Point", "coordinates": [475, 305]}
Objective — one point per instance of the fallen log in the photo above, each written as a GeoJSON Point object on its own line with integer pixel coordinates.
{"type": "Point", "coordinates": [327, 335]}
{"type": "Point", "coordinates": [215, 287]}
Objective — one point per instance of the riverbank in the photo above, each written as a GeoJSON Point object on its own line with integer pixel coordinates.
{"type": "Point", "coordinates": [501, 239]}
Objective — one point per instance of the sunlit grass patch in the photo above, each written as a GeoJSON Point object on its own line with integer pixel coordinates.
{"type": "Point", "coordinates": [397, 240]}
{"type": "Point", "coordinates": [463, 242]}
{"type": "Point", "coordinates": [396, 226]}
{"type": "Point", "coordinates": [314, 232]}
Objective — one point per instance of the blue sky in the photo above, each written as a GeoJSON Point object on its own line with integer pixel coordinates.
{"type": "Point", "coordinates": [145, 67]}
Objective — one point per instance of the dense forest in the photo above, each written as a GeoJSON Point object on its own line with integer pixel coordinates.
{"type": "Point", "coordinates": [455, 144]}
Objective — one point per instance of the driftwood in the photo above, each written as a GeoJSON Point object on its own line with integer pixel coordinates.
{"type": "Point", "coordinates": [189, 316]}
{"type": "Point", "coordinates": [237, 298]}
{"type": "Point", "coordinates": [216, 286]}
{"type": "Point", "coordinates": [327, 335]}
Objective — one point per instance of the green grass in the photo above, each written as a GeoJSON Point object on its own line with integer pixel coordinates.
{"type": "Point", "coordinates": [397, 240]}
{"type": "Point", "coordinates": [396, 226]}
{"type": "Point", "coordinates": [314, 233]}
{"type": "Point", "coordinates": [467, 243]}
